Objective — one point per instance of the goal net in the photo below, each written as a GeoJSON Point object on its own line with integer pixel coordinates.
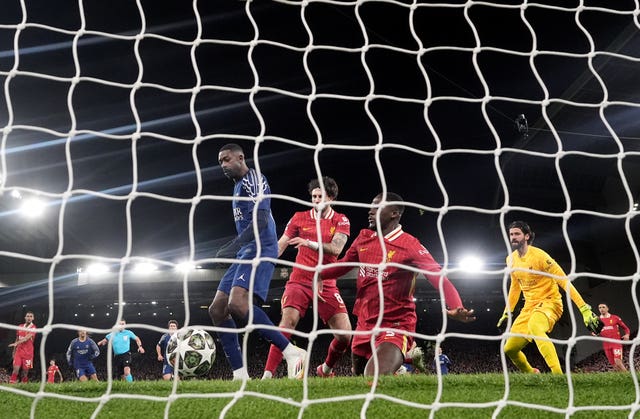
{"type": "Point", "coordinates": [477, 113]}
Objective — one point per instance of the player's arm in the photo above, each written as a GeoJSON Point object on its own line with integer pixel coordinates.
{"type": "Point", "coordinates": [70, 352]}
{"type": "Point", "coordinates": [512, 299]}
{"type": "Point", "coordinates": [159, 352]}
{"type": "Point", "coordinates": [424, 261]}
{"type": "Point", "coordinates": [139, 343]}
{"type": "Point", "coordinates": [625, 328]}
{"type": "Point", "coordinates": [590, 319]}
{"type": "Point", "coordinates": [337, 271]}
{"type": "Point", "coordinates": [94, 348]}
{"type": "Point", "coordinates": [20, 341]}
{"type": "Point", "coordinates": [60, 374]}
{"type": "Point", "coordinates": [333, 248]}
{"type": "Point", "coordinates": [247, 235]}
{"type": "Point", "coordinates": [283, 243]}
{"type": "Point", "coordinates": [104, 341]}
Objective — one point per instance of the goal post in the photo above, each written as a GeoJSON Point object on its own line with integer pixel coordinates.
{"type": "Point", "coordinates": [477, 113]}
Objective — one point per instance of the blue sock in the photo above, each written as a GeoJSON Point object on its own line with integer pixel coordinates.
{"type": "Point", "coordinates": [129, 378]}
{"type": "Point", "coordinates": [231, 344]}
{"type": "Point", "coordinates": [273, 336]}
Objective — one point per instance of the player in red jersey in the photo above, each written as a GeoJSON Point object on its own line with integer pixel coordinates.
{"type": "Point", "coordinates": [23, 350]}
{"type": "Point", "coordinates": [52, 371]}
{"type": "Point", "coordinates": [384, 253]}
{"type": "Point", "coordinates": [611, 330]}
{"type": "Point", "coordinates": [301, 232]}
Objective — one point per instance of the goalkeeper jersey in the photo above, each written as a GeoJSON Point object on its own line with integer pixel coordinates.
{"type": "Point", "coordinates": [303, 225]}
{"type": "Point", "coordinates": [539, 285]}
{"type": "Point", "coordinates": [398, 283]}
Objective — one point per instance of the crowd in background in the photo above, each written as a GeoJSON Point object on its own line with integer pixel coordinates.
{"type": "Point", "coordinates": [484, 358]}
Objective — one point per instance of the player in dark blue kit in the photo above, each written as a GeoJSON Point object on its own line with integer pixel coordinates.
{"type": "Point", "coordinates": [161, 350]}
{"type": "Point", "coordinates": [230, 306]}
{"type": "Point", "coordinates": [81, 351]}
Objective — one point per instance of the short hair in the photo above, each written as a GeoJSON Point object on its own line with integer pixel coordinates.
{"type": "Point", "coordinates": [330, 186]}
{"type": "Point", "coordinates": [524, 227]}
{"type": "Point", "coordinates": [172, 322]}
{"type": "Point", "coordinates": [232, 147]}
{"type": "Point", "coordinates": [394, 197]}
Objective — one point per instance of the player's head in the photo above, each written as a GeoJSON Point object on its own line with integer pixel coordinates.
{"type": "Point", "coordinates": [28, 317]}
{"type": "Point", "coordinates": [172, 325]}
{"type": "Point", "coordinates": [52, 362]}
{"type": "Point", "coordinates": [82, 334]}
{"type": "Point", "coordinates": [389, 214]}
{"type": "Point", "coordinates": [231, 159]}
{"type": "Point", "coordinates": [520, 234]}
{"type": "Point", "coordinates": [315, 189]}
{"type": "Point", "coordinates": [603, 308]}
{"type": "Point", "coordinates": [121, 324]}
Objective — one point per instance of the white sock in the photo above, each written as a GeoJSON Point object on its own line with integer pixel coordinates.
{"type": "Point", "coordinates": [241, 374]}
{"type": "Point", "coordinates": [326, 369]}
{"type": "Point", "coordinates": [266, 375]}
{"type": "Point", "coordinates": [291, 350]}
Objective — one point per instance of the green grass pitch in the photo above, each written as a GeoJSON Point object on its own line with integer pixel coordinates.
{"type": "Point", "coordinates": [595, 395]}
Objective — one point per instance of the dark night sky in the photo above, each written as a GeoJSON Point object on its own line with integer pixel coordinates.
{"type": "Point", "coordinates": [448, 169]}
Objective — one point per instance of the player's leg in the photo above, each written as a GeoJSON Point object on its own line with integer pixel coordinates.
{"type": "Point", "coordinates": [295, 301]}
{"type": "Point", "coordinates": [360, 353]}
{"type": "Point", "coordinates": [81, 373]}
{"type": "Point", "coordinates": [91, 372]}
{"type": "Point", "coordinates": [17, 364]}
{"type": "Point", "coordinates": [618, 365]}
{"type": "Point", "coordinates": [167, 371]}
{"type": "Point", "coordinates": [126, 359]}
{"type": "Point", "coordinates": [539, 326]}
{"type": "Point", "coordinates": [27, 364]}
{"type": "Point", "coordinates": [290, 318]}
{"type": "Point", "coordinates": [239, 310]}
{"type": "Point", "coordinates": [390, 358]}
{"type": "Point", "coordinates": [219, 313]}
{"type": "Point", "coordinates": [339, 344]}
{"type": "Point", "coordinates": [513, 349]}
{"type": "Point", "coordinates": [514, 345]}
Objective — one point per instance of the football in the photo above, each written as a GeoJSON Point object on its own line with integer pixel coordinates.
{"type": "Point", "coordinates": [191, 352]}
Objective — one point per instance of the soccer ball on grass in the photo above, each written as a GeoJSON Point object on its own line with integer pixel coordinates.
{"type": "Point", "coordinates": [191, 352]}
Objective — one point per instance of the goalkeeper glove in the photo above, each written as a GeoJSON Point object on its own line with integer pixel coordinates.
{"type": "Point", "coordinates": [593, 322]}
{"type": "Point", "coordinates": [505, 316]}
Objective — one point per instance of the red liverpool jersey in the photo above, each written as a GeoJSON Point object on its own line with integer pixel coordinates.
{"type": "Point", "coordinates": [398, 282]}
{"type": "Point", "coordinates": [303, 225]}
{"type": "Point", "coordinates": [611, 327]}
{"type": "Point", "coordinates": [26, 348]}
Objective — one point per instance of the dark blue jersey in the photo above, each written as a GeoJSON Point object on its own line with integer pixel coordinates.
{"type": "Point", "coordinates": [250, 187]}
{"type": "Point", "coordinates": [163, 343]}
{"type": "Point", "coordinates": [82, 352]}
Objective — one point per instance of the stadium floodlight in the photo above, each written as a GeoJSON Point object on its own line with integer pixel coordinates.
{"type": "Point", "coordinates": [185, 267]}
{"type": "Point", "coordinates": [144, 268]}
{"type": "Point", "coordinates": [32, 208]}
{"type": "Point", "coordinates": [97, 268]}
{"type": "Point", "coordinates": [471, 264]}
{"type": "Point", "coordinates": [16, 194]}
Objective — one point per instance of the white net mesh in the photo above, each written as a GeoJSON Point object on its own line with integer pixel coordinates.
{"type": "Point", "coordinates": [477, 113]}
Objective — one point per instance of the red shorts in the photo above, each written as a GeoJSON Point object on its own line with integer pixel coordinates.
{"type": "Point", "coordinates": [300, 297]}
{"type": "Point", "coordinates": [361, 344]}
{"type": "Point", "coordinates": [613, 352]}
{"type": "Point", "coordinates": [23, 361]}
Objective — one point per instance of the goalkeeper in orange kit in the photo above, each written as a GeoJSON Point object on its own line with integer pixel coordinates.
{"type": "Point", "coordinates": [536, 275]}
